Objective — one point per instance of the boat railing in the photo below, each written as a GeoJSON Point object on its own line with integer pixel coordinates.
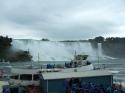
{"type": "Point", "coordinates": [66, 65]}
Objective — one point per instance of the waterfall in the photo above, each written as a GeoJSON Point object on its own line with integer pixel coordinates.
{"type": "Point", "coordinates": [100, 54]}
{"type": "Point", "coordinates": [54, 50]}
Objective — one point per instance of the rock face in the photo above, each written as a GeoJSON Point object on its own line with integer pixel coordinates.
{"type": "Point", "coordinates": [114, 47]}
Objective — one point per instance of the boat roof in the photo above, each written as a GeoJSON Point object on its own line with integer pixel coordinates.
{"type": "Point", "coordinates": [32, 71]}
{"type": "Point", "coordinates": [65, 75]}
{"type": "Point", "coordinates": [24, 71]}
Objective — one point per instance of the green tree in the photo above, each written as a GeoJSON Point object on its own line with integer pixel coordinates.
{"type": "Point", "coordinates": [7, 55]}
{"type": "Point", "coordinates": [99, 39]}
{"type": "Point", "coordinates": [5, 44]}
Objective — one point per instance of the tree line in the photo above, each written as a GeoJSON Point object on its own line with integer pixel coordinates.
{"type": "Point", "coordinates": [101, 39]}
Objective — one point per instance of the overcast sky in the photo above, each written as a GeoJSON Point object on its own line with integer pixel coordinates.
{"type": "Point", "coordinates": [62, 19]}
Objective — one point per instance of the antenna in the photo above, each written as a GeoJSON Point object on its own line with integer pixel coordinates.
{"type": "Point", "coordinates": [38, 57]}
{"type": "Point", "coordinates": [98, 60]}
{"type": "Point", "coordinates": [98, 54]}
{"type": "Point", "coordinates": [75, 53]}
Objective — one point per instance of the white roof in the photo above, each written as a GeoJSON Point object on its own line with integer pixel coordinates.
{"type": "Point", "coordinates": [63, 75]}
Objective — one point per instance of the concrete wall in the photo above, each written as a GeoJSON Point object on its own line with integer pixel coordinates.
{"type": "Point", "coordinates": [56, 86]}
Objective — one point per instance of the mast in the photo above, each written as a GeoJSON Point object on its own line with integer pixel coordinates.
{"type": "Point", "coordinates": [75, 53]}
{"type": "Point", "coordinates": [98, 60]}
{"type": "Point", "coordinates": [98, 53]}
{"type": "Point", "coordinates": [38, 57]}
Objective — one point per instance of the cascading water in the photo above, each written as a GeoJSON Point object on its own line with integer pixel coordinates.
{"type": "Point", "coordinates": [55, 51]}
{"type": "Point", "coordinates": [100, 54]}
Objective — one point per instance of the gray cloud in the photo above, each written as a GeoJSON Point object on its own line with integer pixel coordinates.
{"type": "Point", "coordinates": [62, 19]}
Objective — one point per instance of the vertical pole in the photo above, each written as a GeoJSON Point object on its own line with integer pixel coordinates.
{"type": "Point", "coordinates": [47, 86]}
{"type": "Point", "coordinates": [38, 60]}
{"type": "Point", "coordinates": [32, 78]}
{"type": "Point", "coordinates": [98, 60]}
{"type": "Point", "coordinates": [38, 57]}
{"type": "Point", "coordinates": [98, 53]}
{"type": "Point", "coordinates": [111, 80]}
{"type": "Point", "coordinates": [75, 52]}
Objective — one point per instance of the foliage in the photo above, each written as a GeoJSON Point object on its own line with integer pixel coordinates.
{"type": "Point", "coordinates": [101, 39]}
{"type": "Point", "coordinates": [45, 39]}
{"type": "Point", "coordinates": [20, 56]}
{"type": "Point", "coordinates": [115, 40]}
{"type": "Point", "coordinates": [5, 44]}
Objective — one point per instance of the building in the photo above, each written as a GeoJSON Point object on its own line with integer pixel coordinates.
{"type": "Point", "coordinates": [53, 82]}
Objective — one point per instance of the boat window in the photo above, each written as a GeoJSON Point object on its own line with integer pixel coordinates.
{"type": "Point", "coordinates": [26, 77]}
{"type": "Point", "coordinates": [36, 77]}
{"type": "Point", "coordinates": [14, 76]}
